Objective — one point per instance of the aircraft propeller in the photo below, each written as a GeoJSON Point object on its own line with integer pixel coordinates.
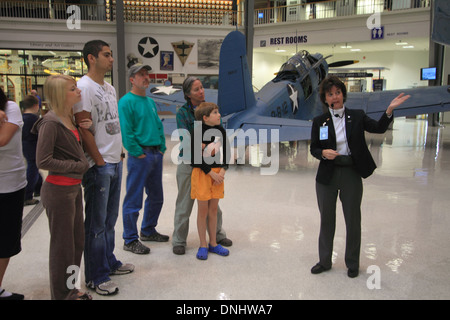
{"type": "Point", "coordinates": [342, 63]}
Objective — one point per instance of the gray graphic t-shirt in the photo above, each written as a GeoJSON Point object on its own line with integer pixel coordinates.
{"type": "Point", "coordinates": [101, 102]}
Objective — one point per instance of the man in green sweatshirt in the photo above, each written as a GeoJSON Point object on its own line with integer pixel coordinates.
{"type": "Point", "coordinates": [143, 137]}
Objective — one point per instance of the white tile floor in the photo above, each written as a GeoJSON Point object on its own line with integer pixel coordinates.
{"type": "Point", "coordinates": [274, 223]}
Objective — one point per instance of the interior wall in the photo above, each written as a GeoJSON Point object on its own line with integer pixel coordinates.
{"type": "Point", "coordinates": [403, 65]}
{"type": "Point", "coordinates": [264, 68]}
{"type": "Point", "coordinates": [403, 68]}
{"type": "Point", "coordinates": [54, 35]}
{"type": "Point", "coordinates": [166, 36]}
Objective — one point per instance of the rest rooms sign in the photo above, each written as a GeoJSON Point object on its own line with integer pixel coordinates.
{"type": "Point", "coordinates": [288, 40]}
{"type": "Point", "coordinates": [284, 40]}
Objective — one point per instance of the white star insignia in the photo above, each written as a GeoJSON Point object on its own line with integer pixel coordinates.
{"type": "Point", "coordinates": [165, 90]}
{"type": "Point", "coordinates": [294, 99]}
{"type": "Point", "coordinates": [148, 47]}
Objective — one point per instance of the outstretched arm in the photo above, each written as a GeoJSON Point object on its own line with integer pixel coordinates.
{"type": "Point", "coordinates": [396, 102]}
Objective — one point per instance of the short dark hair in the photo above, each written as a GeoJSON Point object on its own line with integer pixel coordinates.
{"type": "Point", "coordinates": [93, 47]}
{"type": "Point", "coordinates": [326, 86]}
{"type": "Point", "coordinates": [3, 100]}
{"type": "Point", "coordinates": [204, 109]}
{"type": "Point", "coordinates": [29, 101]}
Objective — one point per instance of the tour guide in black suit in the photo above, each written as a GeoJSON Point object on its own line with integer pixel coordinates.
{"type": "Point", "coordinates": [337, 140]}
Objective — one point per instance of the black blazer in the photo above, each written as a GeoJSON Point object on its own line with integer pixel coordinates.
{"type": "Point", "coordinates": [356, 122]}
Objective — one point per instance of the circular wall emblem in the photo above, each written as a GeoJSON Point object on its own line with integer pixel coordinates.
{"type": "Point", "coordinates": [148, 47]}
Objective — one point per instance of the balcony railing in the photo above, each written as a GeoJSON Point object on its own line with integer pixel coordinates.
{"type": "Point", "coordinates": [332, 9]}
{"type": "Point", "coordinates": [170, 11]}
{"type": "Point", "coordinates": [205, 12]}
{"type": "Point", "coordinates": [47, 10]}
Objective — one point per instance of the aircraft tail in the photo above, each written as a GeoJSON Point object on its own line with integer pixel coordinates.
{"type": "Point", "coordinates": [235, 84]}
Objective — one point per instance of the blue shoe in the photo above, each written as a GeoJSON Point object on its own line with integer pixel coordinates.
{"type": "Point", "coordinates": [202, 253]}
{"type": "Point", "coordinates": [221, 251]}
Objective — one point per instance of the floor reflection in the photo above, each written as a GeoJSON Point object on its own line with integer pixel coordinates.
{"type": "Point", "coordinates": [273, 221]}
{"type": "Point", "coordinates": [420, 149]}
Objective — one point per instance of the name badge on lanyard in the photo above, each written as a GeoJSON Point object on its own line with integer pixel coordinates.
{"type": "Point", "coordinates": [323, 135]}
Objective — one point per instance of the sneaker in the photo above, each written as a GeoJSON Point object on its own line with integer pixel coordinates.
{"type": "Point", "coordinates": [4, 295]}
{"type": "Point", "coordinates": [136, 247]}
{"type": "Point", "coordinates": [123, 269]}
{"type": "Point", "coordinates": [107, 288]}
{"type": "Point", "coordinates": [30, 202]}
{"type": "Point", "coordinates": [155, 237]}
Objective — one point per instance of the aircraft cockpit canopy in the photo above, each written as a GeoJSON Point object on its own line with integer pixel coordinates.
{"type": "Point", "coordinates": [296, 67]}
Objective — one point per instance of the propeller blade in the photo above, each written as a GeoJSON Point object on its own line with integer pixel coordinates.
{"type": "Point", "coordinates": [342, 63]}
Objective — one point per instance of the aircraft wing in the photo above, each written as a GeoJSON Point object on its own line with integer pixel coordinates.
{"type": "Point", "coordinates": [423, 101]}
{"type": "Point", "coordinates": [169, 123]}
{"type": "Point", "coordinates": [261, 129]}
{"type": "Point", "coordinates": [257, 130]}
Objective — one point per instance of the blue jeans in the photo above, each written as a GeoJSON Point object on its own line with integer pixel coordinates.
{"type": "Point", "coordinates": [102, 195]}
{"type": "Point", "coordinates": [34, 179]}
{"type": "Point", "coordinates": [143, 174]}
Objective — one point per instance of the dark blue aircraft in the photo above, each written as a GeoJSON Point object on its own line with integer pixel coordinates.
{"type": "Point", "coordinates": [290, 101]}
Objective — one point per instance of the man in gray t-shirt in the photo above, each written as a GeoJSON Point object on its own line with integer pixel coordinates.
{"type": "Point", "coordinates": [102, 182]}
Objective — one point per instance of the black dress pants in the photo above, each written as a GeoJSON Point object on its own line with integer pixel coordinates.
{"type": "Point", "coordinates": [346, 183]}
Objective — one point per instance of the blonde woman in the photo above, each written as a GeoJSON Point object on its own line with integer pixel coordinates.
{"type": "Point", "coordinates": [59, 150]}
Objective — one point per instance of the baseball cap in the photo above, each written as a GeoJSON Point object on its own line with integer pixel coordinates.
{"type": "Point", "coordinates": [136, 67]}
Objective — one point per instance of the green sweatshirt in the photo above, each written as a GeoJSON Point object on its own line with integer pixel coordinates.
{"type": "Point", "coordinates": [140, 124]}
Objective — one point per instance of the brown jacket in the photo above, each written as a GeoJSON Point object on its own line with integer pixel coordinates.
{"type": "Point", "coordinates": [58, 150]}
